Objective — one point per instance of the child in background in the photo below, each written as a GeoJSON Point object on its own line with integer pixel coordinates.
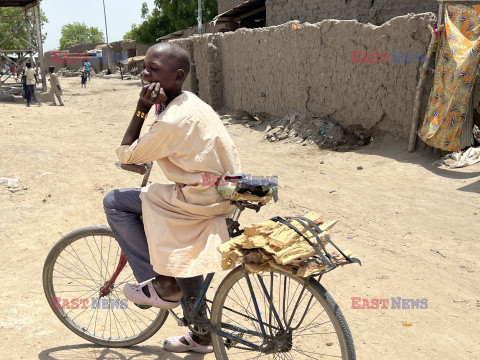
{"type": "Point", "coordinates": [84, 79]}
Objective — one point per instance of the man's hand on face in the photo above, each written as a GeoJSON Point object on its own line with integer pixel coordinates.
{"type": "Point", "coordinates": [152, 94]}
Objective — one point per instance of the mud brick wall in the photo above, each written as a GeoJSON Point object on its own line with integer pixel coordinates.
{"type": "Point", "coordinates": [225, 5]}
{"type": "Point", "coordinates": [142, 49]}
{"type": "Point", "coordinates": [332, 68]}
{"type": "Point", "coordinates": [191, 82]}
{"type": "Point", "coordinates": [374, 11]}
{"type": "Point", "coordinates": [208, 66]}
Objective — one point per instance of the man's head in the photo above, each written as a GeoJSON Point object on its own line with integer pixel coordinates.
{"type": "Point", "coordinates": [28, 65]}
{"type": "Point", "coordinates": [51, 69]}
{"type": "Point", "coordinates": [167, 64]}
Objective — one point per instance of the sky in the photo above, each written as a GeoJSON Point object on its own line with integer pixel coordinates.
{"type": "Point", "coordinates": [121, 14]}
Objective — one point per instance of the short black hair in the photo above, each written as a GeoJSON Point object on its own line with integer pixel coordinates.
{"type": "Point", "coordinates": [29, 65]}
{"type": "Point", "coordinates": [51, 69]}
{"type": "Point", "coordinates": [177, 55]}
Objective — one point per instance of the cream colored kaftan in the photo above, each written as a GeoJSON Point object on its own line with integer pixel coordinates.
{"type": "Point", "coordinates": [185, 222]}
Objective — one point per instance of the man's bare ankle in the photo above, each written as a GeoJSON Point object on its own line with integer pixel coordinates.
{"type": "Point", "coordinates": [167, 289]}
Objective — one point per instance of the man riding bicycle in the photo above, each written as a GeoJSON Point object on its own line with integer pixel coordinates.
{"type": "Point", "coordinates": [184, 222]}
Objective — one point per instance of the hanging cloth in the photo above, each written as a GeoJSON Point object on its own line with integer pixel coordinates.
{"type": "Point", "coordinates": [455, 74]}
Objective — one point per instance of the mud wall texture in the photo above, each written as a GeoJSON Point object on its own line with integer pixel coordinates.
{"type": "Point", "coordinates": [359, 80]}
{"type": "Point", "coordinates": [225, 5]}
{"type": "Point", "coordinates": [191, 82]}
{"type": "Point", "coordinates": [374, 11]}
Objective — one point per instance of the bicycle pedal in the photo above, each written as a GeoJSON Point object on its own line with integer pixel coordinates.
{"type": "Point", "coordinates": [143, 307]}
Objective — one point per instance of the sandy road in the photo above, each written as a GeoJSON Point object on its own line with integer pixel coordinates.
{"type": "Point", "coordinates": [415, 226]}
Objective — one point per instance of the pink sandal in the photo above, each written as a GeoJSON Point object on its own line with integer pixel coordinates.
{"type": "Point", "coordinates": [174, 344]}
{"type": "Point", "coordinates": [134, 293]}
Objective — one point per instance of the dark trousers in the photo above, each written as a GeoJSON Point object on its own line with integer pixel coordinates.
{"type": "Point", "coordinates": [123, 208]}
{"type": "Point", "coordinates": [30, 93]}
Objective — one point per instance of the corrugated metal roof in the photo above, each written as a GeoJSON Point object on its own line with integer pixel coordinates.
{"type": "Point", "coordinates": [241, 11]}
{"type": "Point", "coordinates": [173, 35]}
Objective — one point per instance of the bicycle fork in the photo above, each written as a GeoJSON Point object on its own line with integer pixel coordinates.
{"type": "Point", "coordinates": [108, 286]}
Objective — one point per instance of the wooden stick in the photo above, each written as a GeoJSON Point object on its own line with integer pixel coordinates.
{"type": "Point", "coordinates": [416, 106]}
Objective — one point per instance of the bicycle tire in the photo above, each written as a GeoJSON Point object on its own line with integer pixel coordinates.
{"type": "Point", "coordinates": [335, 316]}
{"type": "Point", "coordinates": [52, 291]}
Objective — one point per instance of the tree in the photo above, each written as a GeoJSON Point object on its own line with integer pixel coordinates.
{"type": "Point", "coordinates": [169, 16]}
{"type": "Point", "coordinates": [183, 13]}
{"type": "Point", "coordinates": [154, 26]}
{"type": "Point", "coordinates": [19, 41]}
{"type": "Point", "coordinates": [76, 33]}
{"type": "Point", "coordinates": [144, 10]}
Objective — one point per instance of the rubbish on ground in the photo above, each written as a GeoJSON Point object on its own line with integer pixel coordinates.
{"type": "Point", "coordinates": [468, 157]}
{"type": "Point", "coordinates": [438, 252]}
{"type": "Point", "coordinates": [9, 182]}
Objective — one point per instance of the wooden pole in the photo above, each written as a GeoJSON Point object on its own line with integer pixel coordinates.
{"type": "Point", "coordinates": [40, 47]}
{"type": "Point", "coordinates": [421, 81]}
{"type": "Point", "coordinates": [441, 8]}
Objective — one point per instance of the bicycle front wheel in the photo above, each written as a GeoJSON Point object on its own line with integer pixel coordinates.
{"type": "Point", "coordinates": [78, 266]}
{"type": "Point", "coordinates": [277, 316]}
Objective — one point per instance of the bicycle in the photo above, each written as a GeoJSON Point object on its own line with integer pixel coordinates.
{"type": "Point", "coordinates": [276, 314]}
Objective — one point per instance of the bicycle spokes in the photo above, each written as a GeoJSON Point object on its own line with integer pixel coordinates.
{"type": "Point", "coordinates": [277, 316]}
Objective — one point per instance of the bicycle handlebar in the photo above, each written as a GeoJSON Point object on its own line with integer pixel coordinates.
{"type": "Point", "coordinates": [136, 168]}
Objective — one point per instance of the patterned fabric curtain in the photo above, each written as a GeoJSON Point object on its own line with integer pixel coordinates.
{"type": "Point", "coordinates": [455, 74]}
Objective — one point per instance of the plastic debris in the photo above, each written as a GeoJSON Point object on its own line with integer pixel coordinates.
{"type": "Point", "coordinates": [10, 182]}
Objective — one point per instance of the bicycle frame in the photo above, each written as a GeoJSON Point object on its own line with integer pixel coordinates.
{"type": "Point", "coordinates": [194, 317]}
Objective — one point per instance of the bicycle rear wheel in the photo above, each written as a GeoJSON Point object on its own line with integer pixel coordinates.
{"type": "Point", "coordinates": [77, 267]}
{"type": "Point", "coordinates": [300, 319]}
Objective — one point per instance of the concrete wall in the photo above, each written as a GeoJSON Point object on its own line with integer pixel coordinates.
{"type": "Point", "coordinates": [311, 70]}
{"type": "Point", "coordinates": [374, 11]}
{"type": "Point", "coordinates": [225, 5]}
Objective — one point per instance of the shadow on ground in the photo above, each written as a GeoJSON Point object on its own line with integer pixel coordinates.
{"type": "Point", "coordinates": [91, 351]}
{"type": "Point", "coordinates": [383, 145]}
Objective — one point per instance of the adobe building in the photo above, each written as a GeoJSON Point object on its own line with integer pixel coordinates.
{"type": "Point", "coordinates": [310, 48]}
{"type": "Point", "coordinates": [276, 12]}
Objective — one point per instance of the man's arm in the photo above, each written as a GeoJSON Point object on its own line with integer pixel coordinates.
{"type": "Point", "coordinates": [144, 105]}
{"type": "Point", "coordinates": [133, 130]}
{"type": "Point", "coordinates": [57, 82]}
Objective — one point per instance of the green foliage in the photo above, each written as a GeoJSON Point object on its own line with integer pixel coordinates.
{"type": "Point", "coordinates": [169, 16]}
{"type": "Point", "coordinates": [155, 25]}
{"type": "Point", "coordinates": [183, 13]}
{"type": "Point", "coordinates": [6, 27]}
{"type": "Point", "coordinates": [144, 10]}
{"type": "Point", "coordinates": [79, 33]}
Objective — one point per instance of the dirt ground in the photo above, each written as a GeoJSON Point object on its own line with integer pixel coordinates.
{"type": "Point", "coordinates": [415, 226]}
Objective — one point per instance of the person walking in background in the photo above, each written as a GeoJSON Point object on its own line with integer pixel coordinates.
{"type": "Point", "coordinates": [88, 67]}
{"type": "Point", "coordinates": [24, 85]}
{"type": "Point", "coordinates": [83, 75]}
{"type": "Point", "coordinates": [31, 79]}
{"type": "Point", "coordinates": [55, 87]}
